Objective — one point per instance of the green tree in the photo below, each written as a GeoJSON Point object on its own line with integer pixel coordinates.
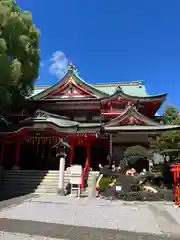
{"type": "Point", "coordinates": [171, 115]}
{"type": "Point", "coordinates": [170, 140]}
{"type": "Point", "coordinates": [19, 54]}
{"type": "Point", "coordinates": [136, 157]}
{"type": "Point", "coordinates": [134, 153]}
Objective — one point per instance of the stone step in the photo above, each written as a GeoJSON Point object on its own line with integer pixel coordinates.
{"type": "Point", "coordinates": [27, 191]}
{"type": "Point", "coordinates": [47, 182]}
{"type": "Point", "coordinates": [6, 178]}
{"type": "Point", "coordinates": [37, 174]}
{"type": "Point", "coordinates": [31, 171]}
{"type": "Point", "coordinates": [34, 181]}
{"type": "Point", "coordinates": [16, 186]}
{"type": "Point", "coordinates": [32, 189]}
{"type": "Point", "coordinates": [33, 175]}
{"type": "Point", "coordinates": [15, 173]}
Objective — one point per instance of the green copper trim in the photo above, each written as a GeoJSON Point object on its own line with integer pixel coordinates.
{"type": "Point", "coordinates": [129, 90]}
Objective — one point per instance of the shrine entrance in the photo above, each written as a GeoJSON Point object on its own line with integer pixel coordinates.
{"type": "Point", "coordinates": [37, 153]}
{"type": "Point", "coordinates": [88, 149]}
{"type": "Point", "coordinates": [80, 149]}
{"type": "Point", "coordinates": [80, 155]}
{"type": "Point", "coordinates": [99, 153]}
{"type": "Point", "coordinates": [9, 155]}
{"type": "Point", "coordinates": [38, 157]}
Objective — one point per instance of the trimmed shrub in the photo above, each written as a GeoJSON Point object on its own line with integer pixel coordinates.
{"type": "Point", "coordinates": [136, 156]}
{"type": "Point", "coordinates": [105, 181]}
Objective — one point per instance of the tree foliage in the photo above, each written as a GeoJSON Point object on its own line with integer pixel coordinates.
{"type": "Point", "coordinates": [19, 53]}
{"type": "Point", "coordinates": [171, 115]}
{"type": "Point", "coordinates": [134, 153]}
{"type": "Point", "coordinates": [171, 139]}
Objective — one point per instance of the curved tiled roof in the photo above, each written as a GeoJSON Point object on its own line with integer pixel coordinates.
{"type": "Point", "coordinates": [129, 89]}
{"type": "Point", "coordinates": [131, 111]}
{"type": "Point", "coordinates": [46, 117]}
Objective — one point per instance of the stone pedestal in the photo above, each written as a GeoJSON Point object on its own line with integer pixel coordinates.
{"type": "Point", "coordinates": [92, 186]}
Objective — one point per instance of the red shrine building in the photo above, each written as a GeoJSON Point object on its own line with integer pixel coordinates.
{"type": "Point", "coordinates": [97, 120]}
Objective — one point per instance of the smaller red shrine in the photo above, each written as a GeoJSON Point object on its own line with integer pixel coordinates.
{"type": "Point", "coordinates": [97, 120]}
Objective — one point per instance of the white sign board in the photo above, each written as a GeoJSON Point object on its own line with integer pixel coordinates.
{"type": "Point", "coordinates": [76, 170]}
{"type": "Point", "coordinates": [75, 180]}
{"type": "Point", "coordinates": [75, 174]}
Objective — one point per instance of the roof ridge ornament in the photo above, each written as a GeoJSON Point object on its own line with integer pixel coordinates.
{"type": "Point", "coordinates": [72, 68]}
{"type": "Point", "coordinates": [119, 89]}
{"type": "Point", "coordinates": [41, 114]}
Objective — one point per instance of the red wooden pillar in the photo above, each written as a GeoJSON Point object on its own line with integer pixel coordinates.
{"type": "Point", "coordinates": [71, 156]}
{"type": "Point", "coordinates": [88, 155]}
{"type": "Point", "coordinates": [87, 166]}
{"type": "Point", "coordinates": [2, 153]}
{"type": "Point", "coordinates": [17, 154]}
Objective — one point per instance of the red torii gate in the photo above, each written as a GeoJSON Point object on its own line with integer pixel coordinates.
{"type": "Point", "coordinates": [175, 169]}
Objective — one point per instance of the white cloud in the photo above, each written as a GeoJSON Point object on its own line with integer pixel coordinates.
{"type": "Point", "coordinates": [58, 64]}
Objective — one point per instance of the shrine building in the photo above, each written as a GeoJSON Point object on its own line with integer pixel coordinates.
{"type": "Point", "coordinates": [96, 119]}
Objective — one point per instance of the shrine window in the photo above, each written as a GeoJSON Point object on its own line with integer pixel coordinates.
{"type": "Point", "coordinates": [86, 116]}
{"type": "Point", "coordinates": [79, 116]}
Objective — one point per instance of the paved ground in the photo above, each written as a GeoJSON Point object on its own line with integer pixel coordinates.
{"type": "Point", "coordinates": [19, 236]}
{"type": "Point", "coordinates": [13, 201]}
{"type": "Point", "coordinates": [67, 218]}
{"type": "Point", "coordinates": [51, 231]}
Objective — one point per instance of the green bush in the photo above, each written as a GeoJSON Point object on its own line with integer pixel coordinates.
{"type": "Point", "coordinates": [105, 181]}
{"type": "Point", "coordinates": [134, 153]}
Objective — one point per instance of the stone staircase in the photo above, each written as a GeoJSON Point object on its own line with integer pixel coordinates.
{"type": "Point", "coordinates": [21, 182]}
{"type": "Point", "coordinates": [17, 182]}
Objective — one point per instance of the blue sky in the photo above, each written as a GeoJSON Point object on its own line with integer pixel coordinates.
{"type": "Point", "coordinates": [110, 41]}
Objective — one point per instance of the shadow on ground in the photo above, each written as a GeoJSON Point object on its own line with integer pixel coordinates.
{"type": "Point", "coordinates": [16, 183]}
{"type": "Point", "coordinates": [162, 195]}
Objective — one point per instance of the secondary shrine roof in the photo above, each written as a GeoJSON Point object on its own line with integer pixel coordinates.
{"type": "Point", "coordinates": [45, 117]}
{"type": "Point", "coordinates": [131, 116]}
{"type": "Point", "coordinates": [158, 128]}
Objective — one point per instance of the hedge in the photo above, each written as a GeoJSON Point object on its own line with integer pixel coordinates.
{"type": "Point", "coordinates": [105, 181]}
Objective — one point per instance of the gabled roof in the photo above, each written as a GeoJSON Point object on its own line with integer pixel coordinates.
{"type": "Point", "coordinates": [70, 78]}
{"type": "Point", "coordinates": [142, 129]}
{"type": "Point", "coordinates": [45, 117]}
{"type": "Point", "coordinates": [58, 123]}
{"type": "Point", "coordinates": [131, 117]}
{"type": "Point", "coordinates": [120, 93]}
{"type": "Point", "coordinates": [132, 88]}
{"type": "Point", "coordinates": [71, 87]}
